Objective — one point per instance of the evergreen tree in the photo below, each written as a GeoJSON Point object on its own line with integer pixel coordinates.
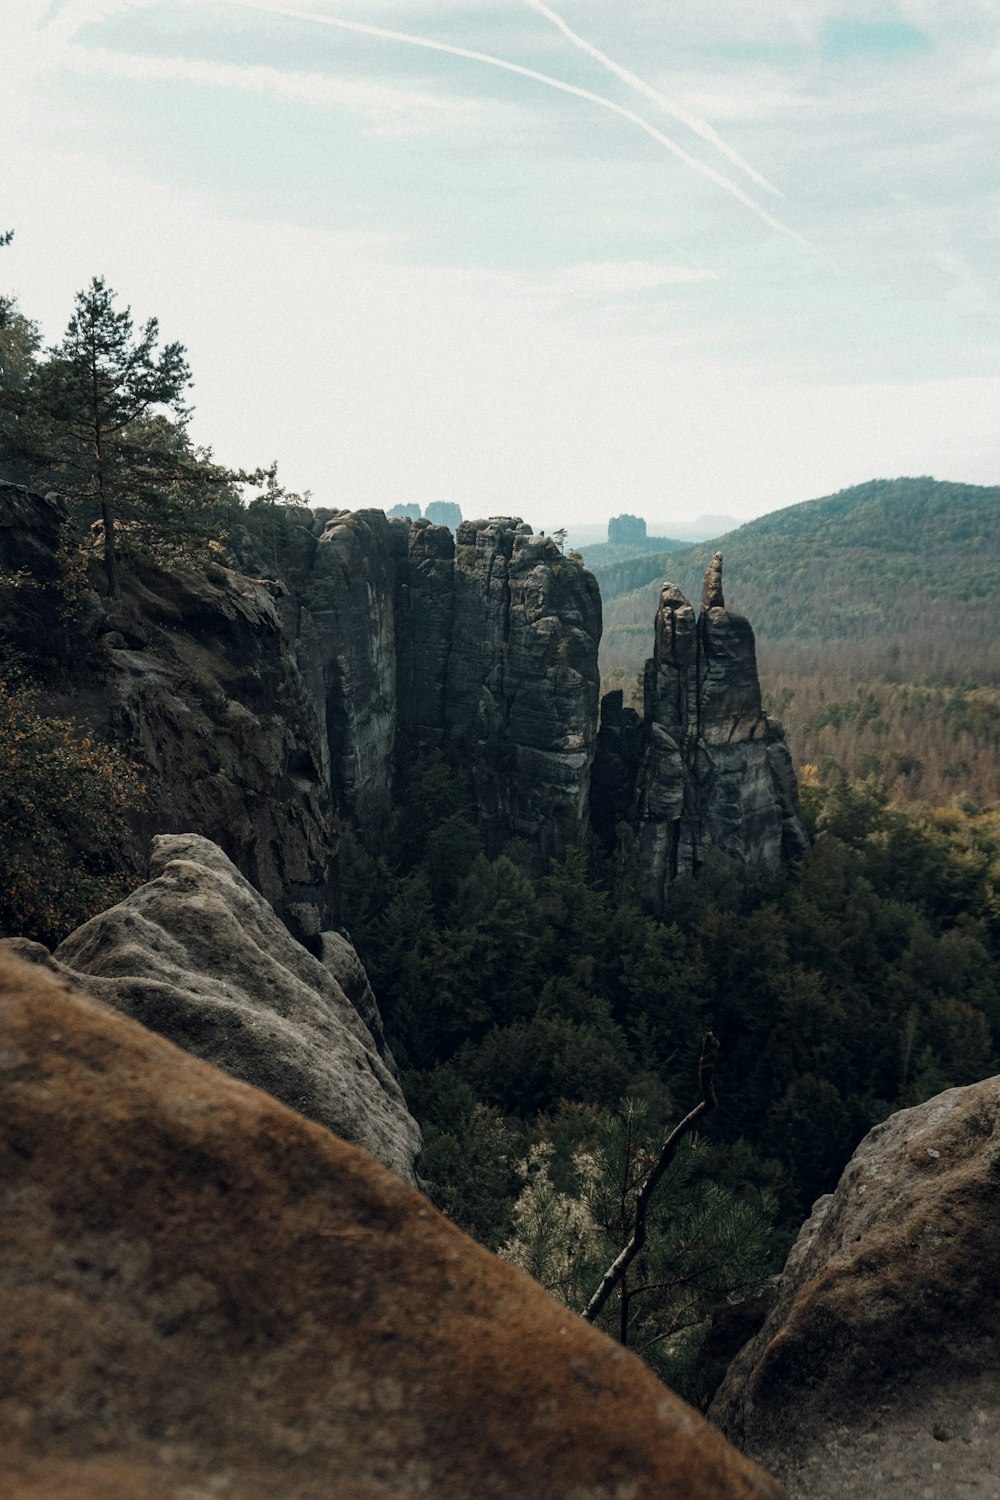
{"type": "Point", "coordinates": [20, 341]}
{"type": "Point", "coordinates": [102, 420]}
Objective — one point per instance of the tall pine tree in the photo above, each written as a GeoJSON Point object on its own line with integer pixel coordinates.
{"type": "Point", "coordinates": [103, 421]}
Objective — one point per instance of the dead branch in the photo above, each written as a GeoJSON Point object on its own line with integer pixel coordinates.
{"type": "Point", "coordinates": [621, 1263]}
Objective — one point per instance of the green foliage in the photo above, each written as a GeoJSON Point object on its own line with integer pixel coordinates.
{"type": "Point", "coordinates": [102, 420]}
{"type": "Point", "coordinates": [64, 801]}
{"type": "Point", "coordinates": [705, 1241]}
{"type": "Point", "coordinates": [861, 985]}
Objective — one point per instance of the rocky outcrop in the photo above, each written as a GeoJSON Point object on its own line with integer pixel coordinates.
{"type": "Point", "coordinates": [881, 1353]}
{"type": "Point", "coordinates": [258, 711]}
{"type": "Point", "coordinates": [200, 957]}
{"type": "Point", "coordinates": [346, 651]}
{"type": "Point", "coordinates": [190, 673]}
{"type": "Point", "coordinates": [484, 648]}
{"type": "Point", "coordinates": [202, 1293]}
{"type": "Point", "coordinates": [523, 682]}
{"type": "Point", "coordinates": [714, 772]}
{"type": "Point", "coordinates": [425, 633]}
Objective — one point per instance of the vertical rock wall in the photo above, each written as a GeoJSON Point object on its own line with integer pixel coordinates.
{"type": "Point", "coordinates": [484, 649]}
{"type": "Point", "coordinates": [524, 683]}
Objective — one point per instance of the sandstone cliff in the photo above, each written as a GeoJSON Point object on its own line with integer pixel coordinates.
{"type": "Point", "coordinates": [258, 710]}
{"type": "Point", "coordinates": [705, 769]}
{"type": "Point", "coordinates": [190, 672]}
{"type": "Point", "coordinates": [484, 648]}
{"type": "Point", "coordinates": [204, 1294]}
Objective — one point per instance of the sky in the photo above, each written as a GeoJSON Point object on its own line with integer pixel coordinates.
{"type": "Point", "coordinates": [669, 258]}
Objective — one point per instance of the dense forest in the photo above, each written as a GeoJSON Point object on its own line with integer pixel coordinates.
{"type": "Point", "coordinates": [548, 1031]}
{"type": "Point", "coordinates": [874, 611]}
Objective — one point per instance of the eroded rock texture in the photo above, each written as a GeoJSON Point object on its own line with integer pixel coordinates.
{"type": "Point", "coordinates": [713, 772]}
{"type": "Point", "coordinates": [199, 956]}
{"type": "Point", "coordinates": [523, 682]}
{"type": "Point", "coordinates": [346, 651]}
{"type": "Point", "coordinates": [202, 1293]}
{"type": "Point", "coordinates": [192, 676]}
{"type": "Point", "coordinates": [484, 648]}
{"type": "Point", "coordinates": [880, 1356]}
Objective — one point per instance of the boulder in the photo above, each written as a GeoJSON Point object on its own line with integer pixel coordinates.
{"type": "Point", "coordinates": [876, 1372]}
{"type": "Point", "coordinates": [203, 1294]}
{"type": "Point", "coordinates": [199, 956]}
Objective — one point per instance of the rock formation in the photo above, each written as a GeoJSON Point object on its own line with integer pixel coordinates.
{"type": "Point", "coordinates": [204, 1294]}
{"type": "Point", "coordinates": [484, 648]}
{"type": "Point", "coordinates": [876, 1370]}
{"type": "Point", "coordinates": [191, 674]}
{"type": "Point", "coordinates": [257, 710]}
{"type": "Point", "coordinates": [345, 648]}
{"type": "Point", "coordinates": [523, 682]}
{"type": "Point", "coordinates": [713, 771]}
{"type": "Point", "coordinates": [200, 957]}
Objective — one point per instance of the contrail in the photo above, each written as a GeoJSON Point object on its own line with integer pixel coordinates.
{"type": "Point", "coordinates": [553, 83]}
{"type": "Point", "coordinates": [700, 127]}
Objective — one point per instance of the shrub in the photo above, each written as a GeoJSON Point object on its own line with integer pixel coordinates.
{"type": "Point", "coordinates": [63, 804]}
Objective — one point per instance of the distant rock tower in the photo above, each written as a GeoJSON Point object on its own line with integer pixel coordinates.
{"type": "Point", "coordinates": [626, 530]}
{"type": "Point", "coordinates": [444, 513]}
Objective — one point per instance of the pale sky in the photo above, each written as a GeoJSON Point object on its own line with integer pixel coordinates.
{"type": "Point", "coordinates": [764, 268]}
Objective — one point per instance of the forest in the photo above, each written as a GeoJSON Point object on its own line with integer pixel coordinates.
{"type": "Point", "coordinates": [548, 1032]}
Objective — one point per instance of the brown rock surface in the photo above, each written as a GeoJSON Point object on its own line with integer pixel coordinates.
{"type": "Point", "coordinates": [202, 1294]}
{"type": "Point", "coordinates": [880, 1360]}
{"type": "Point", "coordinates": [199, 956]}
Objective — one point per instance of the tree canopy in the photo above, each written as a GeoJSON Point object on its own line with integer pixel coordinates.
{"type": "Point", "coordinates": [102, 419]}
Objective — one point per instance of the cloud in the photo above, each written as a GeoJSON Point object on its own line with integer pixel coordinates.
{"type": "Point", "coordinates": [392, 110]}
{"type": "Point", "coordinates": [693, 122]}
{"type": "Point", "coordinates": [471, 55]}
{"type": "Point", "coordinates": [621, 278]}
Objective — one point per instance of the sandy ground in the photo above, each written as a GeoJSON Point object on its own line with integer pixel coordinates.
{"type": "Point", "coordinates": [944, 1446]}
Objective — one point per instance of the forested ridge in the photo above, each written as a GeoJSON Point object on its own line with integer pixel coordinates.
{"type": "Point", "coordinates": [874, 611]}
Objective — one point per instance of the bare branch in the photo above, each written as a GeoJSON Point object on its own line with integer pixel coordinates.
{"type": "Point", "coordinates": [621, 1263]}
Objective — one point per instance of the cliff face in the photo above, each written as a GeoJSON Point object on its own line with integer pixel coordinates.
{"type": "Point", "coordinates": [485, 649]}
{"type": "Point", "coordinates": [705, 768]}
{"type": "Point", "coordinates": [260, 711]}
{"type": "Point", "coordinates": [524, 682]}
{"type": "Point", "coordinates": [191, 675]}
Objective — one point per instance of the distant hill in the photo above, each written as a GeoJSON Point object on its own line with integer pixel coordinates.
{"type": "Point", "coordinates": [601, 555]}
{"type": "Point", "coordinates": [885, 557]}
{"type": "Point", "coordinates": [875, 612]}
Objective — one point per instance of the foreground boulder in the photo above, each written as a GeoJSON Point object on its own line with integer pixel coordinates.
{"type": "Point", "coordinates": [199, 956]}
{"type": "Point", "coordinates": [204, 1294]}
{"type": "Point", "coordinates": [880, 1358]}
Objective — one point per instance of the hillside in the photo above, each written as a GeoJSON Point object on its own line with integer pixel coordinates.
{"type": "Point", "coordinates": [601, 556]}
{"type": "Point", "coordinates": [874, 611]}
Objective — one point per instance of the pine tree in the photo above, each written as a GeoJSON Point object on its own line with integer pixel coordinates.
{"type": "Point", "coordinates": [102, 420]}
